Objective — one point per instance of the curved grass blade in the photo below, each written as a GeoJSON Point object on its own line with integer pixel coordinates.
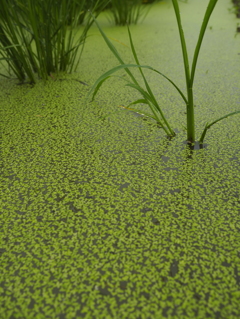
{"type": "Point", "coordinates": [214, 122]}
{"type": "Point", "coordinates": [143, 113]}
{"type": "Point", "coordinates": [169, 80]}
{"type": "Point", "coordinates": [147, 85]}
{"type": "Point", "coordinates": [145, 81]}
{"type": "Point", "coordinates": [152, 103]}
{"type": "Point", "coordinates": [117, 55]}
{"type": "Point", "coordinates": [134, 85]}
{"type": "Point", "coordinates": [106, 75]}
{"type": "Point", "coordinates": [126, 66]}
{"type": "Point", "coordinates": [140, 101]}
{"type": "Point", "coordinates": [99, 84]}
{"type": "Point", "coordinates": [206, 18]}
{"type": "Point", "coordinates": [108, 42]}
{"type": "Point", "coordinates": [147, 98]}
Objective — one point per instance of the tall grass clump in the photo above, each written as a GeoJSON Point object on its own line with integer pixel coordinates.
{"type": "Point", "coordinates": [145, 91]}
{"type": "Point", "coordinates": [125, 12]}
{"type": "Point", "coordinates": [38, 37]}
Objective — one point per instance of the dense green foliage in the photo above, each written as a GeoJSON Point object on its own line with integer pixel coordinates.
{"type": "Point", "coordinates": [125, 12]}
{"type": "Point", "coordinates": [37, 37]}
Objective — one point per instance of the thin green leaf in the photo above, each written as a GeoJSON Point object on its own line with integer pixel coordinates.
{"type": "Point", "coordinates": [114, 50]}
{"type": "Point", "coordinates": [145, 81]}
{"type": "Point", "coordinates": [106, 75]}
{"type": "Point", "coordinates": [207, 126]}
{"type": "Point", "coordinates": [99, 84]}
{"type": "Point", "coordinates": [148, 87]}
{"type": "Point", "coordinates": [207, 16]}
{"type": "Point", "coordinates": [183, 42]}
{"type": "Point", "coordinates": [140, 101]}
{"type": "Point", "coordinates": [176, 87]}
{"type": "Point", "coordinates": [156, 119]}
{"type": "Point", "coordinates": [126, 66]}
{"type": "Point", "coordinates": [109, 43]}
{"type": "Point", "coordinates": [155, 108]}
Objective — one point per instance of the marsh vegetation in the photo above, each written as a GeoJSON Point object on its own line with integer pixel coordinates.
{"type": "Point", "coordinates": [145, 91]}
{"type": "Point", "coordinates": [101, 215]}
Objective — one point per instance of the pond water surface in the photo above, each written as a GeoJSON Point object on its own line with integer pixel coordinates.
{"type": "Point", "coordinates": [102, 216]}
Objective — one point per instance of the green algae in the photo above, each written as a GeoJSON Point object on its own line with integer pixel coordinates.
{"type": "Point", "coordinates": [101, 215]}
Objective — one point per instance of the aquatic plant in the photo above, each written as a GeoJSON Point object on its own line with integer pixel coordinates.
{"type": "Point", "coordinates": [37, 37]}
{"type": "Point", "coordinates": [148, 97]}
{"type": "Point", "coordinates": [125, 12]}
{"type": "Point", "coordinates": [237, 7]}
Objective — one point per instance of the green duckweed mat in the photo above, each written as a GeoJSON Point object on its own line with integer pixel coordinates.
{"type": "Point", "coordinates": [101, 215]}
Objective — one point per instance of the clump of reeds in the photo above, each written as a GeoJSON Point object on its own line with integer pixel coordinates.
{"type": "Point", "coordinates": [125, 12]}
{"type": "Point", "coordinates": [37, 37]}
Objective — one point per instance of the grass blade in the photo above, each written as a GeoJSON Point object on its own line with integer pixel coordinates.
{"type": "Point", "coordinates": [146, 83]}
{"type": "Point", "coordinates": [107, 74]}
{"type": "Point", "coordinates": [149, 97]}
{"type": "Point", "coordinates": [143, 113]}
{"type": "Point", "coordinates": [214, 122]}
{"type": "Point", "coordinates": [183, 42]}
{"type": "Point", "coordinates": [207, 16]}
{"type": "Point", "coordinates": [114, 50]}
